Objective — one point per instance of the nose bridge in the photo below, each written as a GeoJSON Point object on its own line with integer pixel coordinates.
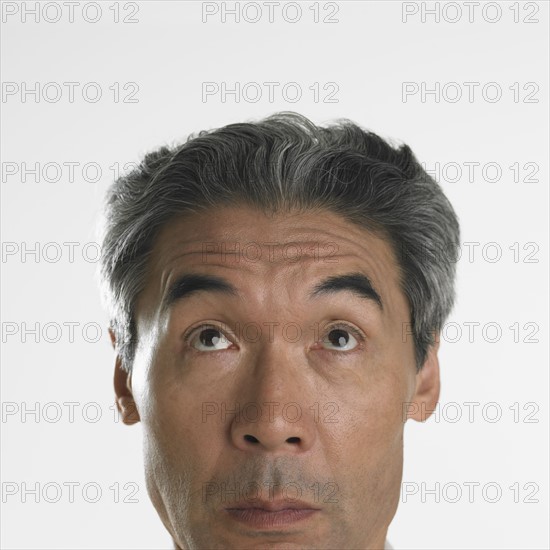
{"type": "Point", "coordinates": [279, 370]}
{"type": "Point", "coordinates": [274, 415]}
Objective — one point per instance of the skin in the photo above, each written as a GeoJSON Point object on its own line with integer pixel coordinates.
{"type": "Point", "coordinates": [344, 454]}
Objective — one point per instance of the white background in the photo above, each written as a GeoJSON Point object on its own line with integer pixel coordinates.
{"type": "Point", "coordinates": [369, 53]}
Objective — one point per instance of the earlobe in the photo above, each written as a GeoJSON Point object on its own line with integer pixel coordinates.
{"type": "Point", "coordinates": [428, 386]}
{"type": "Point", "coordinates": [128, 410]}
{"type": "Point", "coordinates": [123, 390]}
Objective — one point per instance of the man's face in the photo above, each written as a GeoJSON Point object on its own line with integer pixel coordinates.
{"type": "Point", "coordinates": [273, 415]}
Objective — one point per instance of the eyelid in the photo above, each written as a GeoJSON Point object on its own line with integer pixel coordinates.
{"type": "Point", "coordinates": [341, 325]}
{"type": "Point", "coordinates": [190, 332]}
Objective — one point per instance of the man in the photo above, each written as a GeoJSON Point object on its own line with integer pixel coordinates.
{"type": "Point", "coordinates": [276, 290]}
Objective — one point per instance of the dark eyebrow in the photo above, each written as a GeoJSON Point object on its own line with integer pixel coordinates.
{"type": "Point", "coordinates": [190, 283]}
{"type": "Point", "coordinates": [357, 283]}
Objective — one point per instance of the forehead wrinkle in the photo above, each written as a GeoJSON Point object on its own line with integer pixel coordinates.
{"type": "Point", "coordinates": [362, 251]}
{"type": "Point", "coordinates": [284, 230]}
{"type": "Point", "coordinates": [278, 275]}
{"type": "Point", "coordinates": [304, 253]}
{"type": "Point", "coordinates": [305, 237]}
{"type": "Point", "coordinates": [363, 263]}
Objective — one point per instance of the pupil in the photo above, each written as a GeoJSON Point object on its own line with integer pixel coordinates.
{"type": "Point", "coordinates": [210, 336]}
{"type": "Point", "coordinates": [341, 337]}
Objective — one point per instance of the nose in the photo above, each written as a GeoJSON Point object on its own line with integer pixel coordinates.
{"type": "Point", "coordinates": [279, 419]}
{"type": "Point", "coordinates": [256, 432]}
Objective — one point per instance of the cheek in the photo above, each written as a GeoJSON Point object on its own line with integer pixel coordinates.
{"type": "Point", "coordinates": [368, 432]}
{"type": "Point", "coordinates": [378, 424]}
{"type": "Point", "coordinates": [395, 373]}
{"type": "Point", "coordinates": [369, 460]}
{"type": "Point", "coordinates": [176, 419]}
{"type": "Point", "coordinates": [172, 412]}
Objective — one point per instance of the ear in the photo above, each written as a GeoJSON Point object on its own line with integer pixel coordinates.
{"type": "Point", "coordinates": [428, 386]}
{"type": "Point", "coordinates": [123, 389]}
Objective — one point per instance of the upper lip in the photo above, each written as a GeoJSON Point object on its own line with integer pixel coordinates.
{"type": "Point", "coordinates": [272, 505]}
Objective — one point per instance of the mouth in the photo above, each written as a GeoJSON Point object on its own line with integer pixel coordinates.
{"type": "Point", "coordinates": [271, 514]}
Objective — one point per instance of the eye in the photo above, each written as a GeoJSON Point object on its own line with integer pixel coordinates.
{"type": "Point", "coordinates": [342, 338]}
{"type": "Point", "coordinates": [208, 338]}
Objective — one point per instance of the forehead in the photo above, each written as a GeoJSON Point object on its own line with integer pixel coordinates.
{"type": "Point", "coordinates": [257, 250]}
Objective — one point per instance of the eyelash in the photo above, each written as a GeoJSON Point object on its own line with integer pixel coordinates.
{"type": "Point", "coordinates": [342, 326]}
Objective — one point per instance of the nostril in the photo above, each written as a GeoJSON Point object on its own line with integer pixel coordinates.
{"type": "Point", "coordinates": [250, 439]}
{"type": "Point", "coordinates": [293, 440]}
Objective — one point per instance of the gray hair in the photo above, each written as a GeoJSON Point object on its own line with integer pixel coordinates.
{"type": "Point", "coordinates": [282, 163]}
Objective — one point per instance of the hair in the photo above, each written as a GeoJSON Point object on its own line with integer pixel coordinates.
{"type": "Point", "coordinates": [282, 163]}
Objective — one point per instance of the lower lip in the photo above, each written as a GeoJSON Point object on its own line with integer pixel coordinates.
{"type": "Point", "coordinates": [266, 519]}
